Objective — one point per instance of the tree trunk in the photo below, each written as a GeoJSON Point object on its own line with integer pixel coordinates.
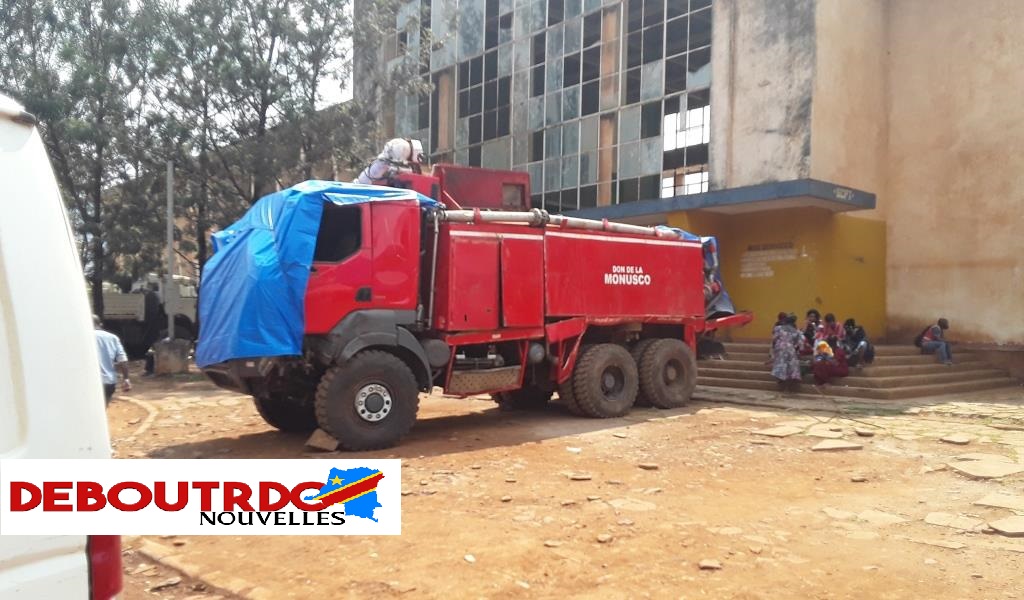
{"type": "Point", "coordinates": [98, 255]}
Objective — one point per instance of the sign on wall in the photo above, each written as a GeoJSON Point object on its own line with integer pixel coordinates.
{"type": "Point", "coordinates": [756, 261]}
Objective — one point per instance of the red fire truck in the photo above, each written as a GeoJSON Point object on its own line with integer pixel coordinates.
{"type": "Point", "coordinates": [517, 303]}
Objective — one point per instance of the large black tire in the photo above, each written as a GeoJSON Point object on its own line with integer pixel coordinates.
{"type": "Point", "coordinates": [637, 352]}
{"type": "Point", "coordinates": [605, 381]}
{"type": "Point", "coordinates": [368, 403]}
{"type": "Point", "coordinates": [568, 398]}
{"type": "Point", "coordinates": [668, 373]}
{"type": "Point", "coordinates": [529, 397]}
{"type": "Point", "coordinates": [286, 412]}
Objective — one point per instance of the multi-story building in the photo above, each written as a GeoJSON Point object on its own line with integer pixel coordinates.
{"type": "Point", "coordinates": [862, 157]}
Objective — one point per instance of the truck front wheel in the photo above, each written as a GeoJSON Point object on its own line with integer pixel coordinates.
{"type": "Point", "coordinates": [668, 373]}
{"type": "Point", "coordinates": [286, 412]}
{"type": "Point", "coordinates": [368, 403]}
{"type": "Point", "coordinates": [605, 381]}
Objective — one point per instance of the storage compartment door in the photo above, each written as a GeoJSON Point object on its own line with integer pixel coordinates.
{"type": "Point", "coordinates": [473, 282]}
{"type": "Point", "coordinates": [522, 281]}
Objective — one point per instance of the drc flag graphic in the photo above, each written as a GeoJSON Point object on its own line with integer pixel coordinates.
{"type": "Point", "coordinates": [355, 489]}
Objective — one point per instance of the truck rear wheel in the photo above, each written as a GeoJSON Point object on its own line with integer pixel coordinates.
{"type": "Point", "coordinates": [668, 373]}
{"type": "Point", "coordinates": [286, 412]}
{"type": "Point", "coordinates": [529, 397]}
{"type": "Point", "coordinates": [368, 403]}
{"type": "Point", "coordinates": [637, 351]}
{"type": "Point", "coordinates": [605, 381]}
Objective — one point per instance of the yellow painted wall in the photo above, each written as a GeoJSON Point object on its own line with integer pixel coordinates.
{"type": "Point", "coordinates": [839, 264]}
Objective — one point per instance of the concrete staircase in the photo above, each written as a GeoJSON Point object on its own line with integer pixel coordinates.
{"type": "Point", "coordinates": [898, 372]}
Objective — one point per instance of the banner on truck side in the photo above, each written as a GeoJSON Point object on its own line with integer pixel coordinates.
{"type": "Point", "coordinates": [200, 497]}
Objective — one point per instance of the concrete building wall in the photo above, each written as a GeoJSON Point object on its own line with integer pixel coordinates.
{"type": "Point", "coordinates": [762, 82]}
{"type": "Point", "coordinates": [954, 203]}
{"type": "Point", "coordinates": [849, 112]}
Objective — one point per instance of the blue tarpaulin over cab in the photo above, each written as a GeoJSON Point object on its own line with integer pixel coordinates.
{"type": "Point", "coordinates": [253, 288]}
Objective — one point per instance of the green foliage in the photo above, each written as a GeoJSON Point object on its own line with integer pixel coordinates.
{"type": "Point", "coordinates": [231, 91]}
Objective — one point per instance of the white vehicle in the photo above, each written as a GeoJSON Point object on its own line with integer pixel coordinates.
{"type": "Point", "coordinates": [51, 397]}
{"type": "Point", "coordinates": [139, 317]}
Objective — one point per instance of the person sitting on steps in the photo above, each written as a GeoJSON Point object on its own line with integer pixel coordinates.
{"type": "Point", "coordinates": [933, 341]}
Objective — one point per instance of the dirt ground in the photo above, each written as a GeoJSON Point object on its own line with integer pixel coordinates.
{"type": "Point", "coordinates": [489, 510]}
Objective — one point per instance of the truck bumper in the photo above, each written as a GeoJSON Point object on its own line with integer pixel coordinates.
{"type": "Point", "coordinates": [234, 375]}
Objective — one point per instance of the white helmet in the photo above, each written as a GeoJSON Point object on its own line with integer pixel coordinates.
{"type": "Point", "coordinates": [396, 150]}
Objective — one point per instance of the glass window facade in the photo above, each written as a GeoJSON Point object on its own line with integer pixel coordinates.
{"type": "Point", "coordinates": [600, 102]}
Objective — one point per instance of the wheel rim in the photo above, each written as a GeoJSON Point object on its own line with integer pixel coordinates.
{"type": "Point", "coordinates": [672, 373]}
{"type": "Point", "coordinates": [373, 402]}
{"type": "Point", "coordinates": [612, 381]}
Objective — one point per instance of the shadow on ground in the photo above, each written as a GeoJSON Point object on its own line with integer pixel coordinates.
{"type": "Point", "coordinates": [431, 436]}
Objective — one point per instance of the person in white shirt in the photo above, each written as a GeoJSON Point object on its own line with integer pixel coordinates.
{"type": "Point", "coordinates": [399, 156]}
{"type": "Point", "coordinates": [112, 360]}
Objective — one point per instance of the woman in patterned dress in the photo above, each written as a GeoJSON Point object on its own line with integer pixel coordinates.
{"type": "Point", "coordinates": [785, 360]}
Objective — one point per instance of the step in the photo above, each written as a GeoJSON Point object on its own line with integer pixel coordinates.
{"type": "Point", "coordinates": [881, 350]}
{"type": "Point", "coordinates": [863, 392]}
{"type": "Point", "coordinates": [857, 380]}
{"type": "Point", "coordinates": [877, 370]}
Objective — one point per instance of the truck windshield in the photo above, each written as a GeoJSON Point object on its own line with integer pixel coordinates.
{"type": "Point", "coordinates": [340, 234]}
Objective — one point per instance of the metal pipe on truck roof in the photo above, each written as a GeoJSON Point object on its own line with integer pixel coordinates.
{"type": "Point", "coordinates": [539, 216]}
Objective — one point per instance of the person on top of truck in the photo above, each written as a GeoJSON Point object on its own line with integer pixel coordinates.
{"type": "Point", "coordinates": [399, 155]}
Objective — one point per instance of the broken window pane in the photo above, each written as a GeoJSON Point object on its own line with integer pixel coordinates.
{"type": "Point", "coordinates": [654, 12]}
{"type": "Point", "coordinates": [474, 156]}
{"type": "Point", "coordinates": [699, 69]}
{"type": "Point", "coordinates": [476, 71]}
{"type": "Point", "coordinates": [650, 119]}
{"type": "Point", "coordinates": [591, 63]}
{"type": "Point", "coordinates": [555, 11]}
{"type": "Point", "coordinates": [635, 15]}
{"type": "Point", "coordinates": [676, 8]}
{"type": "Point", "coordinates": [650, 84]}
{"type": "Point", "coordinates": [537, 76]}
{"type": "Point", "coordinates": [675, 74]}
{"type": "Point", "coordinates": [555, 35]}
{"type": "Point", "coordinates": [569, 200]}
{"type": "Point", "coordinates": [650, 187]}
{"type": "Point", "coordinates": [700, 29]}
{"type": "Point", "coordinates": [590, 98]}
{"type": "Point", "coordinates": [504, 120]}
{"type": "Point", "coordinates": [653, 44]}
{"type": "Point", "coordinates": [588, 196]}
{"type": "Point", "coordinates": [571, 70]}
{"type": "Point", "coordinates": [591, 29]}
{"type": "Point", "coordinates": [490, 65]}
{"type": "Point", "coordinates": [675, 36]}
{"type": "Point", "coordinates": [537, 145]}
{"type": "Point", "coordinates": [490, 124]}
{"type": "Point", "coordinates": [537, 49]}
{"type": "Point", "coordinates": [632, 86]}
{"type": "Point", "coordinates": [634, 50]}
{"type": "Point", "coordinates": [629, 190]}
